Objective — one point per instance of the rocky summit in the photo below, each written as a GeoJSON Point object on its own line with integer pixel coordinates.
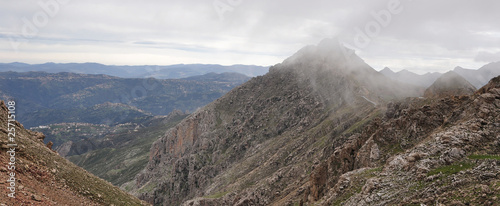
{"type": "Point", "coordinates": [260, 143]}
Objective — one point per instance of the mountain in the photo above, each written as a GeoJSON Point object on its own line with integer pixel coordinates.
{"type": "Point", "coordinates": [160, 72]}
{"type": "Point", "coordinates": [480, 77]}
{"type": "Point", "coordinates": [259, 142]}
{"type": "Point", "coordinates": [44, 178]}
{"type": "Point", "coordinates": [52, 98]}
{"type": "Point", "coordinates": [449, 84]}
{"type": "Point", "coordinates": [406, 76]}
{"type": "Point", "coordinates": [421, 152]}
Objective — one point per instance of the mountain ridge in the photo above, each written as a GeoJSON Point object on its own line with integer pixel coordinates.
{"type": "Point", "coordinates": [478, 77]}
{"type": "Point", "coordinates": [236, 142]}
{"type": "Point", "coordinates": [175, 71]}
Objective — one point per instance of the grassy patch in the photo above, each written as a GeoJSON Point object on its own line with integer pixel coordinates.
{"type": "Point", "coordinates": [376, 169]}
{"type": "Point", "coordinates": [393, 149]}
{"type": "Point", "coordinates": [451, 169]}
{"type": "Point", "coordinates": [247, 184]}
{"type": "Point", "coordinates": [357, 126]}
{"type": "Point", "coordinates": [147, 188]}
{"type": "Point", "coordinates": [342, 199]}
{"type": "Point", "coordinates": [483, 157]}
{"type": "Point", "coordinates": [216, 195]}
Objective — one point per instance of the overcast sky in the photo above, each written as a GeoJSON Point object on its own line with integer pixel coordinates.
{"type": "Point", "coordinates": [420, 36]}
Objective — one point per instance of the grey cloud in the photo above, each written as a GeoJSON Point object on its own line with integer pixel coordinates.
{"type": "Point", "coordinates": [487, 57]}
{"type": "Point", "coordinates": [270, 27]}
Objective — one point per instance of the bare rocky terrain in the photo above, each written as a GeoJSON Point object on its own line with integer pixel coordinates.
{"type": "Point", "coordinates": [325, 129]}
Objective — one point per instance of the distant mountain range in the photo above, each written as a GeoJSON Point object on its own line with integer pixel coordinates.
{"type": "Point", "coordinates": [46, 98]}
{"type": "Point", "coordinates": [160, 72]}
{"type": "Point", "coordinates": [424, 80]}
{"type": "Point", "coordinates": [478, 78]}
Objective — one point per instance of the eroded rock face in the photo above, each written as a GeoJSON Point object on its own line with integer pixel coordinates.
{"type": "Point", "coordinates": [317, 129]}
{"type": "Point", "coordinates": [425, 156]}
{"type": "Point", "coordinates": [208, 142]}
{"type": "Point", "coordinates": [259, 143]}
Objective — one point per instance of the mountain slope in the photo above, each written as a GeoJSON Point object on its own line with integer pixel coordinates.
{"type": "Point", "coordinates": [45, 178]}
{"type": "Point", "coordinates": [449, 84]}
{"type": "Point", "coordinates": [434, 151]}
{"type": "Point", "coordinates": [273, 128]}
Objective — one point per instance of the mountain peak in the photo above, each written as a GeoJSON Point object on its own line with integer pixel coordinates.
{"type": "Point", "coordinates": [450, 83]}
{"type": "Point", "coordinates": [328, 49]}
{"type": "Point", "coordinates": [458, 68]}
{"type": "Point", "coordinates": [406, 72]}
{"type": "Point", "coordinates": [387, 71]}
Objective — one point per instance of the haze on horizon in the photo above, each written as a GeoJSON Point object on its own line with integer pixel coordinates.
{"type": "Point", "coordinates": [420, 36]}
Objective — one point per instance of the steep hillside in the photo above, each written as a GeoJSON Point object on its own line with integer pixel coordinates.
{"type": "Point", "coordinates": [433, 151]}
{"type": "Point", "coordinates": [260, 141]}
{"type": "Point", "coordinates": [44, 178]}
{"type": "Point", "coordinates": [119, 156]}
{"type": "Point", "coordinates": [51, 98]}
{"type": "Point", "coordinates": [449, 84]}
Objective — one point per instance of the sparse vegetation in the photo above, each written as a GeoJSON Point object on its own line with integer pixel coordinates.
{"type": "Point", "coordinates": [451, 169]}
{"type": "Point", "coordinates": [217, 195]}
{"type": "Point", "coordinates": [482, 157]}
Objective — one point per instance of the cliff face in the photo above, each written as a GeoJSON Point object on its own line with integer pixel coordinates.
{"type": "Point", "coordinates": [258, 143]}
{"type": "Point", "coordinates": [44, 178]}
